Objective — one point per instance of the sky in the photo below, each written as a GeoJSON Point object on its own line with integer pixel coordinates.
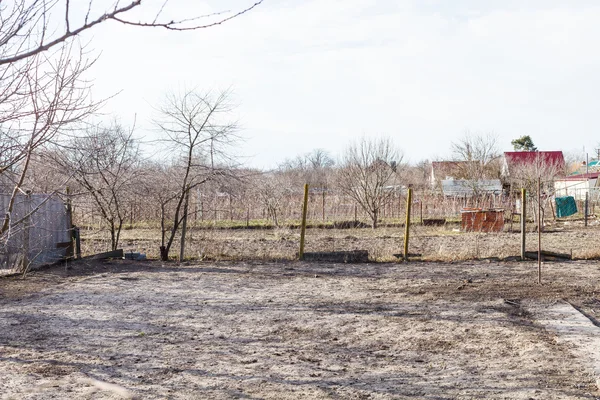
{"type": "Point", "coordinates": [309, 74]}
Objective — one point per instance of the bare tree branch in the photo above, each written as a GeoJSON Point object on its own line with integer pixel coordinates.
{"type": "Point", "coordinates": [20, 25]}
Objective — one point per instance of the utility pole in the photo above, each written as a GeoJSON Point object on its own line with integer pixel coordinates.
{"type": "Point", "coordinates": [587, 163]}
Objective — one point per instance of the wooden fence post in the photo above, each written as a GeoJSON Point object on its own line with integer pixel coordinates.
{"type": "Point", "coordinates": [69, 252]}
{"type": "Point", "coordinates": [77, 234]}
{"type": "Point", "coordinates": [539, 230]}
{"type": "Point", "coordinates": [323, 205]}
{"type": "Point", "coordinates": [26, 233]}
{"type": "Point", "coordinates": [303, 229]}
{"type": "Point", "coordinates": [523, 221]}
{"type": "Point", "coordinates": [585, 217]}
{"type": "Point", "coordinates": [407, 223]}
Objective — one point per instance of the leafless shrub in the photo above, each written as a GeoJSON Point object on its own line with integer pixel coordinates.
{"type": "Point", "coordinates": [369, 173]}
{"type": "Point", "coordinates": [539, 171]}
{"type": "Point", "coordinates": [479, 158]}
{"type": "Point", "coordinates": [105, 162]}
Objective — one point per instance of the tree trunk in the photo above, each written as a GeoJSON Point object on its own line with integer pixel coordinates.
{"type": "Point", "coordinates": [164, 253]}
{"type": "Point", "coordinates": [118, 235]}
{"type": "Point", "coordinates": [184, 226]}
{"type": "Point", "coordinates": [113, 241]}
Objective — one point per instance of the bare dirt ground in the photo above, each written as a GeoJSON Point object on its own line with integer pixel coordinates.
{"type": "Point", "coordinates": [289, 330]}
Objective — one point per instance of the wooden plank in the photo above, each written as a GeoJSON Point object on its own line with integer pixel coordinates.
{"type": "Point", "coordinates": [434, 221]}
{"type": "Point", "coordinates": [355, 256]}
{"type": "Point", "coordinates": [547, 255]}
{"type": "Point", "coordinates": [409, 254]}
{"type": "Point", "coordinates": [102, 256]}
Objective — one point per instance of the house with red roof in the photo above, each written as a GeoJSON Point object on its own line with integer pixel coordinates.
{"type": "Point", "coordinates": [520, 159]}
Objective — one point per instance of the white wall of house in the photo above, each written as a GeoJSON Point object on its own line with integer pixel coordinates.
{"type": "Point", "coordinates": [575, 188]}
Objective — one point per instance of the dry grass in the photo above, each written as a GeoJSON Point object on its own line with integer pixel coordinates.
{"type": "Point", "coordinates": [445, 243]}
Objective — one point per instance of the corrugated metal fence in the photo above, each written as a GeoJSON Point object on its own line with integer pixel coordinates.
{"type": "Point", "coordinates": [44, 223]}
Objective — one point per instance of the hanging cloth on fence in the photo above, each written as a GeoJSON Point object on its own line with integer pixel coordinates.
{"type": "Point", "coordinates": [565, 206]}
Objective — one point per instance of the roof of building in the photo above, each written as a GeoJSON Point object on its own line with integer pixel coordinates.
{"type": "Point", "coordinates": [463, 187]}
{"type": "Point", "coordinates": [592, 166]}
{"type": "Point", "coordinates": [581, 177]}
{"type": "Point", "coordinates": [529, 157]}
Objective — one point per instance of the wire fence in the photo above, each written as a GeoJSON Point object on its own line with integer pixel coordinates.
{"type": "Point", "coordinates": [440, 229]}
{"type": "Point", "coordinates": [326, 209]}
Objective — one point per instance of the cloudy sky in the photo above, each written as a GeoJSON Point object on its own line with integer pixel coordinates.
{"type": "Point", "coordinates": [320, 73]}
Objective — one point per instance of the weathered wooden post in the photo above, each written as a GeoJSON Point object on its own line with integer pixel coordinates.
{"type": "Point", "coordinates": [539, 230]}
{"type": "Point", "coordinates": [523, 221]}
{"type": "Point", "coordinates": [26, 225]}
{"type": "Point", "coordinates": [77, 235]}
{"type": "Point", "coordinates": [69, 252]}
{"type": "Point", "coordinates": [323, 205]}
{"type": "Point", "coordinates": [131, 206]}
{"type": "Point", "coordinates": [585, 217]}
{"type": "Point", "coordinates": [303, 229]}
{"type": "Point", "coordinates": [407, 223]}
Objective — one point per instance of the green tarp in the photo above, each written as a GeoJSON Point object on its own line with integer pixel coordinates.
{"type": "Point", "coordinates": [565, 206]}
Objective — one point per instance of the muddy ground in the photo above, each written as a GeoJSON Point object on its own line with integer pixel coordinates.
{"type": "Point", "coordinates": [289, 330]}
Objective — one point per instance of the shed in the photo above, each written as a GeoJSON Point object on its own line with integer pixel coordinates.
{"type": "Point", "coordinates": [41, 228]}
{"type": "Point", "coordinates": [478, 220]}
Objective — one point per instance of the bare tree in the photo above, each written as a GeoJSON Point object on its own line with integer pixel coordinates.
{"type": "Point", "coordinates": [158, 188]}
{"type": "Point", "coordinates": [271, 189]}
{"type": "Point", "coordinates": [526, 175]}
{"type": "Point", "coordinates": [369, 173]}
{"type": "Point", "coordinates": [417, 175]}
{"type": "Point", "coordinates": [105, 163]}
{"type": "Point", "coordinates": [199, 135]}
{"type": "Point", "coordinates": [480, 158]}
{"type": "Point", "coordinates": [314, 168]}
{"type": "Point", "coordinates": [38, 100]}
